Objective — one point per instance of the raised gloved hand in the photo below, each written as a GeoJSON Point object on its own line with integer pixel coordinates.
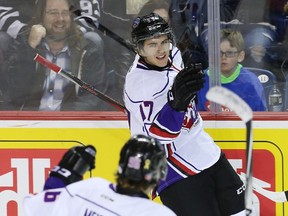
{"type": "Point", "coordinates": [185, 87]}
{"type": "Point", "coordinates": [71, 168]}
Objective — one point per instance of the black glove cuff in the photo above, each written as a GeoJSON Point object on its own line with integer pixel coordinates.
{"type": "Point", "coordinates": [179, 105]}
{"type": "Point", "coordinates": [65, 175]}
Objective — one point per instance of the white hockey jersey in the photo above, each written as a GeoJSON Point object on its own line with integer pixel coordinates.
{"type": "Point", "coordinates": [95, 196]}
{"type": "Point", "coordinates": [188, 147]}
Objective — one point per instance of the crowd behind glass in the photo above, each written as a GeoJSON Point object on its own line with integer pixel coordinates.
{"type": "Point", "coordinates": [106, 24]}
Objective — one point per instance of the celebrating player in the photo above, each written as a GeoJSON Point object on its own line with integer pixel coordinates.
{"type": "Point", "coordinates": [142, 165]}
{"type": "Point", "coordinates": [160, 101]}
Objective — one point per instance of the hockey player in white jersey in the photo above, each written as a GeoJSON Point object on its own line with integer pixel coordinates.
{"type": "Point", "coordinates": [142, 165]}
{"type": "Point", "coordinates": [159, 96]}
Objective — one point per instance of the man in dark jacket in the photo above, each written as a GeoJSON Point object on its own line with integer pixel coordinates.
{"type": "Point", "coordinates": [54, 35]}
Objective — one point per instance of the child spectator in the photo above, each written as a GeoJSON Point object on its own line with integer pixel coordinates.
{"type": "Point", "coordinates": [233, 75]}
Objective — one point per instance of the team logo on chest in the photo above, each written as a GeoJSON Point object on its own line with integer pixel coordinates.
{"type": "Point", "coordinates": [191, 117]}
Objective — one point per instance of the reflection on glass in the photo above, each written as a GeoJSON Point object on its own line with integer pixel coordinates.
{"type": "Point", "coordinates": [25, 86]}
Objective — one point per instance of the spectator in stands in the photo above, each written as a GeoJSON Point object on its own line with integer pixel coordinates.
{"type": "Point", "coordinates": [6, 40]}
{"type": "Point", "coordinates": [11, 23]}
{"type": "Point", "coordinates": [116, 17]}
{"type": "Point", "coordinates": [278, 16]}
{"type": "Point", "coordinates": [53, 34]}
{"type": "Point", "coordinates": [258, 42]}
{"type": "Point", "coordinates": [16, 14]}
{"type": "Point", "coordinates": [189, 21]}
{"type": "Point", "coordinates": [262, 24]}
{"type": "Point", "coordinates": [233, 76]}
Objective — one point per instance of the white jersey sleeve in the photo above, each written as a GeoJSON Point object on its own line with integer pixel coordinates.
{"type": "Point", "coordinates": [95, 196]}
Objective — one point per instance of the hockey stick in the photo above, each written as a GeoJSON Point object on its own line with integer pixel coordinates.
{"type": "Point", "coordinates": [93, 21]}
{"type": "Point", "coordinates": [106, 31]}
{"type": "Point", "coordinates": [275, 196]}
{"type": "Point", "coordinates": [40, 59]}
{"type": "Point", "coordinates": [229, 99]}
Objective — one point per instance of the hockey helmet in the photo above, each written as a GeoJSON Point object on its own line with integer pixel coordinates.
{"type": "Point", "coordinates": [150, 26]}
{"type": "Point", "coordinates": [142, 159]}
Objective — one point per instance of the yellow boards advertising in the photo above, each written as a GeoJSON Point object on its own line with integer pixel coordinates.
{"type": "Point", "coordinates": [265, 157]}
{"type": "Point", "coordinates": [269, 153]}
{"type": "Point", "coordinates": [29, 149]}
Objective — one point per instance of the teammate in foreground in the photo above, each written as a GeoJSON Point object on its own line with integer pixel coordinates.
{"type": "Point", "coordinates": [142, 165]}
{"type": "Point", "coordinates": [160, 101]}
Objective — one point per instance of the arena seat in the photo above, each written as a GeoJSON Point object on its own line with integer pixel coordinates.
{"type": "Point", "coordinates": [266, 77]}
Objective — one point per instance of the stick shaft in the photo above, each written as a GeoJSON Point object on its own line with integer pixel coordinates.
{"type": "Point", "coordinates": [227, 98]}
{"type": "Point", "coordinates": [249, 174]}
{"type": "Point", "coordinates": [116, 37]}
{"type": "Point", "coordinates": [91, 89]}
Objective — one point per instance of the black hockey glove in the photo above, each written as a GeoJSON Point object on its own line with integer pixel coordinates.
{"type": "Point", "coordinates": [74, 163]}
{"type": "Point", "coordinates": [185, 87]}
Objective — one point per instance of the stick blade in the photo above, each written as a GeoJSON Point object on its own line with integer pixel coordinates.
{"type": "Point", "coordinates": [229, 99]}
{"type": "Point", "coordinates": [278, 197]}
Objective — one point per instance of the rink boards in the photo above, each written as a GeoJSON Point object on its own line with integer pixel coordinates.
{"type": "Point", "coordinates": [29, 148]}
